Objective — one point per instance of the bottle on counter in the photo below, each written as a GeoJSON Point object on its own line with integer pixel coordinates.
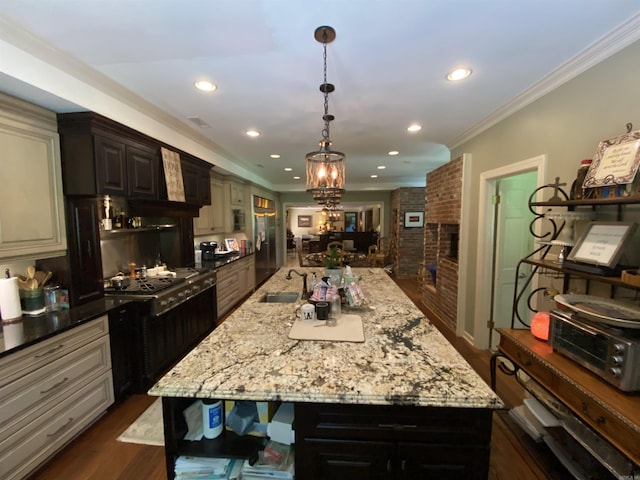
{"type": "Point", "coordinates": [576, 187]}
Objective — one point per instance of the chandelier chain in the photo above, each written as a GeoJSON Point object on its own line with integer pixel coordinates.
{"type": "Point", "coordinates": [325, 130]}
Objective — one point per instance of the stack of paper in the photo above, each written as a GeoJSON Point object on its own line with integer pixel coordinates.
{"type": "Point", "coordinates": [261, 471]}
{"type": "Point", "coordinates": [203, 468]}
{"type": "Point", "coordinates": [275, 461]}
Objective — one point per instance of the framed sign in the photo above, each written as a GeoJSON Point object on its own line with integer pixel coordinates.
{"type": "Point", "coordinates": [231, 244]}
{"type": "Point", "coordinates": [615, 162]}
{"type": "Point", "coordinates": [413, 219]}
{"type": "Point", "coordinates": [304, 220]}
{"type": "Point", "coordinates": [602, 243]}
{"type": "Point", "coordinates": [173, 175]}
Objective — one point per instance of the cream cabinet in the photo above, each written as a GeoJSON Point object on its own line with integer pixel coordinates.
{"type": "Point", "coordinates": [31, 200]}
{"type": "Point", "coordinates": [236, 206]}
{"type": "Point", "coordinates": [212, 217]}
{"type": "Point", "coordinates": [234, 281]}
{"type": "Point", "coordinates": [50, 392]}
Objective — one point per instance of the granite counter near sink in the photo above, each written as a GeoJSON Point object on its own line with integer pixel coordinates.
{"type": "Point", "coordinates": [402, 402]}
{"type": "Point", "coordinates": [404, 359]}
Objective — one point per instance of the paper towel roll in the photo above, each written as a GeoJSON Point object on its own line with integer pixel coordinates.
{"type": "Point", "coordinates": [13, 334]}
{"type": "Point", "coordinates": [9, 299]}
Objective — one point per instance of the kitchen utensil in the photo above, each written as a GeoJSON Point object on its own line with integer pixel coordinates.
{"type": "Point", "coordinates": [42, 277]}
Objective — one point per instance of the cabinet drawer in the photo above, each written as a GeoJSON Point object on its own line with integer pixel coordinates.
{"type": "Point", "coordinates": [226, 273]}
{"type": "Point", "coordinates": [228, 283]}
{"type": "Point", "coordinates": [461, 426]}
{"type": "Point", "coordinates": [527, 361]}
{"type": "Point", "coordinates": [619, 433]}
{"type": "Point", "coordinates": [34, 394]}
{"type": "Point", "coordinates": [228, 300]}
{"type": "Point", "coordinates": [343, 459]}
{"type": "Point", "coordinates": [30, 446]}
{"type": "Point", "coordinates": [24, 361]}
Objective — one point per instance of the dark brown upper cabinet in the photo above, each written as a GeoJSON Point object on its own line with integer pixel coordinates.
{"type": "Point", "coordinates": [103, 157]}
{"type": "Point", "coordinates": [197, 186]}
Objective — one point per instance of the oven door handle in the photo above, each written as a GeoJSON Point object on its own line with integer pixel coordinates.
{"type": "Point", "coordinates": [584, 327]}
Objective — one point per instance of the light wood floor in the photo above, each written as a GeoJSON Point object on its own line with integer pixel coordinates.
{"type": "Point", "coordinates": [97, 455]}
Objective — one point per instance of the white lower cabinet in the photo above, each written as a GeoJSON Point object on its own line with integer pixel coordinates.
{"type": "Point", "coordinates": [234, 282]}
{"type": "Point", "coordinates": [49, 404]}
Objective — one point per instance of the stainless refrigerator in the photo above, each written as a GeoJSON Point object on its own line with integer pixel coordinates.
{"type": "Point", "coordinates": [264, 241]}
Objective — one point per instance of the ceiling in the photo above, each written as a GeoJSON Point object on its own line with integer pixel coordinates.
{"type": "Point", "coordinates": [388, 63]}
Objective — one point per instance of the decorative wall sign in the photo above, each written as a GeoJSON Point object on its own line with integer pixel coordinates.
{"type": "Point", "coordinates": [304, 220]}
{"type": "Point", "coordinates": [615, 162]}
{"type": "Point", "coordinates": [602, 243]}
{"type": "Point", "coordinates": [413, 219]}
{"type": "Point", "coordinates": [173, 175]}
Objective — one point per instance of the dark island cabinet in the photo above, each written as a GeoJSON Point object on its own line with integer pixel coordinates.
{"type": "Point", "coordinates": [370, 442]}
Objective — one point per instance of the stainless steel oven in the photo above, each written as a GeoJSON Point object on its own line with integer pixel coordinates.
{"type": "Point", "coordinates": [174, 314]}
{"type": "Point", "coordinates": [612, 353]}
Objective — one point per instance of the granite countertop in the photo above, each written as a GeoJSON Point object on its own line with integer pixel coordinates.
{"type": "Point", "coordinates": [404, 360]}
{"type": "Point", "coordinates": [29, 330]}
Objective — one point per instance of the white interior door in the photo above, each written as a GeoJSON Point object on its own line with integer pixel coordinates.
{"type": "Point", "coordinates": [513, 241]}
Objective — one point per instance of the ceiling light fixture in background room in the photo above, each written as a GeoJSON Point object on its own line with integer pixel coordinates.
{"type": "Point", "coordinates": [326, 167]}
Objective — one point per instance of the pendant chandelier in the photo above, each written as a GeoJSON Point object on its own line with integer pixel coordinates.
{"type": "Point", "coordinates": [325, 167]}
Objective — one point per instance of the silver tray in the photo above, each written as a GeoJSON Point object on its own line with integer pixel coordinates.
{"type": "Point", "coordinates": [598, 309]}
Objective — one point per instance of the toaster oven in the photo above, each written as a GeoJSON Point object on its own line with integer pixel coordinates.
{"type": "Point", "coordinates": [612, 353]}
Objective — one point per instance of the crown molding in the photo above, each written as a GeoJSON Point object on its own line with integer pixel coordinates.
{"type": "Point", "coordinates": [605, 47]}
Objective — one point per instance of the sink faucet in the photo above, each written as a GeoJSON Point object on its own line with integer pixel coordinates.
{"type": "Point", "coordinates": [305, 292]}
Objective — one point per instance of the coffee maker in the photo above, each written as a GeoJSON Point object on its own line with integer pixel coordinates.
{"type": "Point", "coordinates": [208, 250]}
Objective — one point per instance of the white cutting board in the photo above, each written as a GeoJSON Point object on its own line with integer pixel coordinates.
{"type": "Point", "coordinates": [348, 329]}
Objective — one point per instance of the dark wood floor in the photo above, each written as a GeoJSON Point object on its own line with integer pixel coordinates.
{"type": "Point", "coordinates": [97, 455]}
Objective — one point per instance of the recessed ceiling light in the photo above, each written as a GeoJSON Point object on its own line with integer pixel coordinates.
{"type": "Point", "coordinates": [414, 127]}
{"type": "Point", "coordinates": [288, 169]}
{"type": "Point", "coordinates": [205, 86]}
{"type": "Point", "coordinates": [381, 167]}
{"type": "Point", "coordinates": [296, 178]}
{"type": "Point", "coordinates": [274, 155]}
{"type": "Point", "coordinates": [374, 176]}
{"type": "Point", "coordinates": [459, 74]}
{"type": "Point", "coordinates": [394, 152]}
{"type": "Point", "coordinates": [253, 133]}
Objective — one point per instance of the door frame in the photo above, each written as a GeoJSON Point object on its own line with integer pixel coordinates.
{"type": "Point", "coordinates": [486, 239]}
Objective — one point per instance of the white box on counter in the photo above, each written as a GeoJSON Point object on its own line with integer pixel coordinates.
{"type": "Point", "coordinates": [280, 428]}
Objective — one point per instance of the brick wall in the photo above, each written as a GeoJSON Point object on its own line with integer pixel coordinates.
{"type": "Point", "coordinates": [407, 244]}
{"type": "Point", "coordinates": [442, 220]}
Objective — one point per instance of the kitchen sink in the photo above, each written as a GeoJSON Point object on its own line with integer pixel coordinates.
{"type": "Point", "coordinates": [280, 297]}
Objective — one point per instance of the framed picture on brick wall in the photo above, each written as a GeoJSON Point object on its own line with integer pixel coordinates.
{"type": "Point", "coordinates": [413, 219]}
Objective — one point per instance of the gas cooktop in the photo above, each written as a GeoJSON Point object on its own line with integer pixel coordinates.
{"type": "Point", "coordinates": [144, 286]}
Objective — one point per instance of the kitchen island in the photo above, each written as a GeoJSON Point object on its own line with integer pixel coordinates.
{"type": "Point", "coordinates": [401, 404]}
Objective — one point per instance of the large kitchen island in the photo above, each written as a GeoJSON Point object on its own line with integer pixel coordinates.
{"type": "Point", "coordinates": [402, 404]}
